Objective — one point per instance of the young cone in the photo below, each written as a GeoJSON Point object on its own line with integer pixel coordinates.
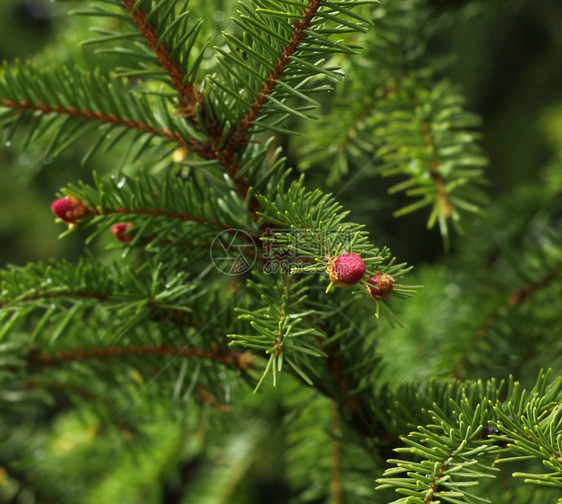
{"type": "Point", "coordinates": [346, 269]}
{"type": "Point", "coordinates": [120, 231]}
{"type": "Point", "coordinates": [69, 209]}
{"type": "Point", "coordinates": [380, 285]}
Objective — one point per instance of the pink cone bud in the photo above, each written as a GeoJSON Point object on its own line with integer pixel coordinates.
{"type": "Point", "coordinates": [120, 231]}
{"type": "Point", "coordinates": [69, 209]}
{"type": "Point", "coordinates": [346, 269]}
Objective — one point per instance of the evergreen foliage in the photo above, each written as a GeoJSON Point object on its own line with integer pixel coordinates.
{"type": "Point", "coordinates": [207, 356]}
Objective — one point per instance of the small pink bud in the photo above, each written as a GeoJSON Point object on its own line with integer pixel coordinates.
{"type": "Point", "coordinates": [346, 269]}
{"type": "Point", "coordinates": [120, 229]}
{"type": "Point", "coordinates": [380, 285]}
{"type": "Point", "coordinates": [69, 209]}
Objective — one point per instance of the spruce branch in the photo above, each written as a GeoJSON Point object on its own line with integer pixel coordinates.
{"type": "Point", "coordinates": [515, 298]}
{"type": "Point", "coordinates": [160, 215]}
{"type": "Point", "coordinates": [281, 328]}
{"type": "Point", "coordinates": [63, 291]}
{"type": "Point", "coordinates": [97, 116]}
{"type": "Point", "coordinates": [440, 165]}
{"type": "Point", "coordinates": [312, 226]}
{"type": "Point", "coordinates": [170, 36]}
{"type": "Point", "coordinates": [89, 97]}
{"type": "Point", "coordinates": [448, 457]}
{"type": "Point", "coordinates": [76, 297]}
{"type": "Point", "coordinates": [440, 474]}
{"type": "Point", "coordinates": [239, 136]}
{"type": "Point", "coordinates": [190, 98]}
{"type": "Point", "coordinates": [441, 162]}
{"type": "Point", "coordinates": [472, 428]}
{"type": "Point", "coordinates": [252, 94]}
{"type": "Point", "coordinates": [528, 425]}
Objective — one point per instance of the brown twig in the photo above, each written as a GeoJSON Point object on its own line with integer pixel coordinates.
{"type": "Point", "coordinates": [250, 238]}
{"type": "Point", "coordinates": [352, 405]}
{"type": "Point", "coordinates": [206, 397]}
{"type": "Point", "coordinates": [239, 137]}
{"type": "Point", "coordinates": [161, 213]}
{"type": "Point", "coordinates": [243, 361]}
{"type": "Point", "coordinates": [442, 468]}
{"type": "Point", "coordinates": [336, 488]}
{"type": "Point", "coordinates": [189, 96]}
{"type": "Point", "coordinates": [443, 197]}
{"type": "Point", "coordinates": [200, 149]}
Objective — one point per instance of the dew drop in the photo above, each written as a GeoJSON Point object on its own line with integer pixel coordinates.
{"type": "Point", "coordinates": [121, 183]}
{"type": "Point", "coordinates": [8, 143]}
